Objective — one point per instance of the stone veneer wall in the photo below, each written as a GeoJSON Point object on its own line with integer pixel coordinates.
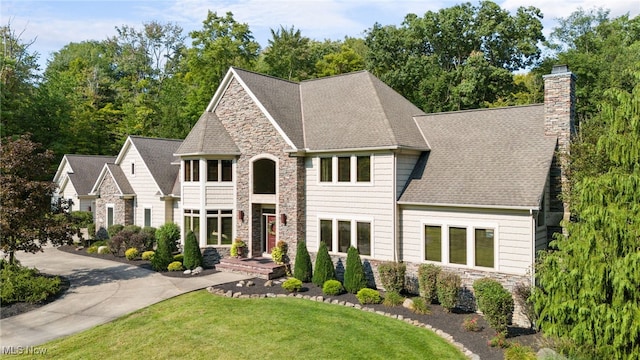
{"type": "Point", "coordinates": [122, 209]}
{"type": "Point", "coordinates": [466, 299]}
{"type": "Point", "coordinates": [255, 135]}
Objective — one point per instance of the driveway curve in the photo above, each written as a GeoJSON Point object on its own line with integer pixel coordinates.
{"type": "Point", "coordinates": [101, 291]}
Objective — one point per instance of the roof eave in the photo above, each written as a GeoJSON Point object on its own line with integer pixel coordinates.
{"type": "Point", "coordinates": [502, 207]}
{"type": "Point", "coordinates": [356, 149]}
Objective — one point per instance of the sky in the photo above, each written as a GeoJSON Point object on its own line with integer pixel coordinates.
{"type": "Point", "coordinates": [54, 24]}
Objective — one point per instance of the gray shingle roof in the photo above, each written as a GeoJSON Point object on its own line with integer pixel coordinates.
{"type": "Point", "coordinates": [86, 169]}
{"type": "Point", "coordinates": [208, 136]}
{"type": "Point", "coordinates": [357, 111]}
{"type": "Point", "coordinates": [281, 99]}
{"type": "Point", "coordinates": [158, 155]}
{"type": "Point", "coordinates": [490, 157]}
{"type": "Point", "coordinates": [121, 179]}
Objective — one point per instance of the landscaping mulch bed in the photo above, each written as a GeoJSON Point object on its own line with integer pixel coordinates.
{"type": "Point", "coordinates": [450, 323]}
{"type": "Point", "coordinates": [13, 309]}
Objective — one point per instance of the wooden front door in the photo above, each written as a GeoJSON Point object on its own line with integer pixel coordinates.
{"type": "Point", "coordinates": [270, 231]}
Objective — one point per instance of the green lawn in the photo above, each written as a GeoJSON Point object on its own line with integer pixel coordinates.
{"type": "Point", "coordinates": [203, 326]}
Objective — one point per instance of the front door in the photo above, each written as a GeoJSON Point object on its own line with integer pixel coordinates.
{"type": "Point", "coordinates": [270, 229]}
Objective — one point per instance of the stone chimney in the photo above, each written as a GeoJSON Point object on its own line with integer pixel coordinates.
{"type": "Point", "coordinates": [559, 120]}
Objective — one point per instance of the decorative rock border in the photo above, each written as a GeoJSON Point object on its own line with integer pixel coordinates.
{"type": "Point", "coordinates": [238, 295]}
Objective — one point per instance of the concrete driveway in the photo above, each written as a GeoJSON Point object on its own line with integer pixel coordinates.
{"type": "Point", "coordinates": [101, 291]}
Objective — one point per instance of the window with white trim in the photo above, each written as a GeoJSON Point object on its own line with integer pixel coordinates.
{"type": "Point", "coordinates": [191, 222]}
{"type": "Point", "coordinates": [192, 170]}
{"type": "Point", "coordinates": [219, 227]}
{"type": "Point", "coordinates": [147, 217]}
{"type": "Point", "coordinates": [345, 169]}
{"type": "Point", "coordinates": [347, 233]}
{"type": "Point", "coordinates": [465, 245]}
{"type": "Point", "coordinates": [219, 170]}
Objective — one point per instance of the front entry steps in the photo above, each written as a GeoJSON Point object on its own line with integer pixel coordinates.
{"type": "Point", "coordinates": [260, 267]}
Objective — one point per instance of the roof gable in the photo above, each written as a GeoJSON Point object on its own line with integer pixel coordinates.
{"type": "Point", "coordinates": [84, 170]}
{"type": "Point", "coordinates": [118, 176]}
{"type": "Point", "coordinates": [489, 157]}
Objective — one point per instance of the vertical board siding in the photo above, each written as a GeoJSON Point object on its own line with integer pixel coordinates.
{"type": "Point", "coordinates": [514, 233]}
{"type": "Point", "coordinates": [373, 201]}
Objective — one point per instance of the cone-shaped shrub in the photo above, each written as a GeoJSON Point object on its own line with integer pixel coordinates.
{"type": "Point", "coordinates": [324, 269]}
{"type": "Point", "coordinates": [192, 254]}
{"type": "Point", "coordinates": [302, 269]}
{"type": "Point", "coordinates": [163, 257]}
{"type": "Point", "coordinates": [354, 276]}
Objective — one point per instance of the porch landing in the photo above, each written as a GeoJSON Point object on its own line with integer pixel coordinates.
{"type": "Point", "coordinates": [259, 267]}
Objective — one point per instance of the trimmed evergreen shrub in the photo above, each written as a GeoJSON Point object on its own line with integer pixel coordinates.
{"type": "Point", "coordinates": [302, 267]}
{"type": "Point", "coordinates": [448, 287]}
{"type": "Point", "coordinates": [420, 306]}
{"type": "Point", "coordinates": [427, 281]}
{"type": "Point", "coordinates": [114, 229]}
{"type": "Point", "coordinates": [392, 276]}
{"type": "Point", "coordinates": [131, 253]}
{"type": "Point", "coordinates": [238, 248]}
{"type": "Point", "coordinates": [392, 298]}
{"type": "Point", "coordinates": [292, 285]}
{"type": "Point", "coordinates": [166, 237]}
{"type": "Point", "coordinates": [18, 283]}
{"type": "Point", "coordinates": [175, 266]}
{"type": "Point", "coordinates": [178, 257]}
{"type": "Point", "coordinates": [368, 296]}
{"type": "Point", "coordinates": [192, 254]}
{"type": "Point", "coordinates": [102, 234]}
{"type": "Point", "coordinates": [148, 255]}
{"type": "Point", "coordinates": [324, 269]}
{"type": "Point", "coordinates": [495, 302]}
{"type": "Point", "coordinates": [332, 287]}
{"type": "Point", "coordinates": [132, 228]}
{"type": "Point", "coordinates": [354, 276]}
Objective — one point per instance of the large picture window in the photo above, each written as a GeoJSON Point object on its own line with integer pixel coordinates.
{"type": "Point", "coordinates": [349, 233]}
{"type": "Point", "coordinates": [219, 227]}
{"type": "Point", "coordinates": [459, 242]}
{"type": "Point", "coordinates": [433, 243]}
{"type": "Point", "coordinates": [264, 176]}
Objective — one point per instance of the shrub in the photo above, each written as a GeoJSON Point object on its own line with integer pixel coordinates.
{"type": "Point", "coordinates": [23, 284]}
{"type": "Point", "coordinates": [170, 233]}
{"type": "Point", "coordinates": [148, 255]}
{"type": "Point", "coordinates": [162, 257]}
{"type": "Point", "coordinates": [103, 250]}
{"type": "Point", "coordinates": [324, 269]}
{"type": "Point", "coordinates": [420, 306]}
{"type": "Point", "coordinates": [523, 297]}
{"type": "Point", "coordinates": [518, 351]}
{"type": "Point", "coordinates": [354, 277]}
{"type": "Point", "coordinates": [495, 302]}
{"type": "Point", "coordinates": [91, 230]}
{"type": "Point", "coordinates": [368, 296]}
{"type": "Point", "coordinates": [292, 285]}
{"type": "Point", "coordinates": [132, 228]}
{"type": "Point", "coordinates": [102, 234]}
{"type": "Point", "coordinates": [447, 287]}
{"type": "Point", "coordinates": [192, 253]}
{"type": "Point", "coordinates": [175, 266]}
{"type": "Point", "coordinates": [149, 237]}
{"type": "Point", "coordinates": [118, 242]}
{"type": "Point", "coordinates": [302, 267]}
{"type": "Point", "coordinates": [178, 257]}
{"type": "Point", "coordinates": [131, 253]}
{"type": "Point", "coordinates": [237, 248]}
{"type": "Point", "coordinates": [93, 249]}
{"type": "Point", "coordinates": [114, 229]}
{"type": "Point", "coordinates": [470, 323]}
{"type": "Point", "coordinates": [136, 240]}
{"type": "Point", "coordinates": [427, 281]}
{"type": "Point", "coordinates": [500, 340]}
{"type": "Point", "coordinates": [279, 252]}
{"type": "Point", "coordinates": [332, 287]}
{"type": "Point", "coordinates": [392, 275]}
{"type": "Point", "coordinates": [392, 298]}
{"type": "Point", "coordinates": [82, 219]}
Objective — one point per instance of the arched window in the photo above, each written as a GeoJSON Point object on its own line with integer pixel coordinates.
{"type": "Point", "coordinates": [264, 176]}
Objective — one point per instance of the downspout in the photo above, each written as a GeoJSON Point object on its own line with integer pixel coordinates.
{"type": "Point", "coordinates": [394, 192]}
{"type": "Point", "coordinates": [533, 248]}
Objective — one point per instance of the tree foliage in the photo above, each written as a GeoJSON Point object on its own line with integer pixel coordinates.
{"type": "Point", "coordinates": [588, 288]}
{"type": "Point", "coordinates": [28, 219]}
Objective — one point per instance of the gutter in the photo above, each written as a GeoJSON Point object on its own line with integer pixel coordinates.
{"type": "Point", "coordinates": [530, 208]}
{"type": "Point", "coordinates": [302, 152]}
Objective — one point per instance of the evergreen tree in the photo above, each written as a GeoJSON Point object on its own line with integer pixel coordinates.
{"type": "Point", "coordinates": [166, 236]}
{"type": "Point", "coordinates": [192, 253]}
{"type": "Point", "coordinates": [302, 269]}
{"type": "Point", "coordinates": [354, 276]}
{"type": "Point", "coordinates": [324, 269]}
{"type": "Point", "coordinates": [588, 286]}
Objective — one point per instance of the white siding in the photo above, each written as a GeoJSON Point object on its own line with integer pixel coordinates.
{"type": "Point", "coordinates": [145, 188]}
{"type": "Point", "coordinates": [514, 234]}
{"type": "Point", "coordinates": [191, 195]}
{"type": "Point", "coordinates": [69, 192]}
{"type": "Point", "coordinates": [405, 164]}
{"type": "Point", "coordinates": [372, 202]}
{"type": "Point", "coordinates": [220, 196]}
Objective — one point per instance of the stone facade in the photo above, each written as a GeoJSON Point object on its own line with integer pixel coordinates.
{"type": "Point", "coordinates": [256, 138]}
{"type": "Point", "coordinates": [122, 208]}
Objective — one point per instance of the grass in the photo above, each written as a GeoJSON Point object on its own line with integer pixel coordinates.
{"type": "Point", "coordinates": [199, 325]}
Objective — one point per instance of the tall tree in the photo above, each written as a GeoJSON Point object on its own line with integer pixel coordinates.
{"type": "Point", "coordinates": [222, 42]}
{"type": "Point", "coordinates": [288, 55]}
{"type": "Point", "coordinates": [588, 286]}
{"type": "Point", "coordinates": [27, 218]}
